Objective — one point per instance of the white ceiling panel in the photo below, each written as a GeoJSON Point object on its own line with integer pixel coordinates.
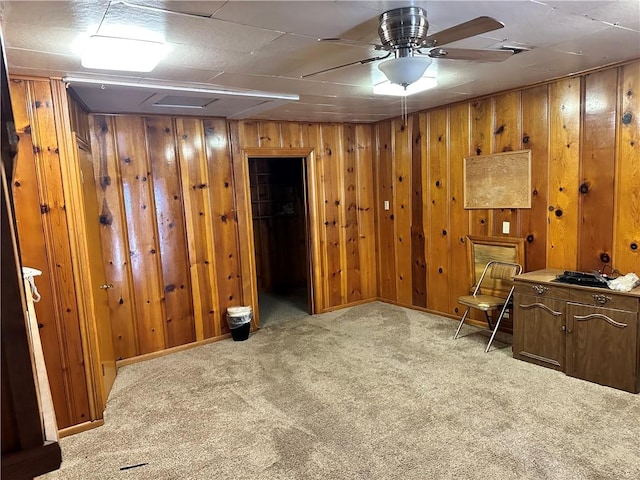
{"type": "Point", "coordinates": [38, 60]}
{"type": "Point", "coordinates": [614, 50]}
{"type": "Point", "coordinates": [197, 7]}
{"type": "Point", "coordinates": [320, 19]}
{"type": "Point", "coordinates": [168, 74]}
{"type": "Point", "coordinates": [82, 14]}
{"type": "Point", "coordinates": [31, 37]}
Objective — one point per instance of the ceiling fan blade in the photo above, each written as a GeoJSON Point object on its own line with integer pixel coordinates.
{"type": "Point", "coordinates": [361, 62]}
{"type": "Point", "coordinates": [469, 54]}
{"type": "Point", "coordinates": [464, 30]}
{"type": "Point", "coordinates": [351, 43]}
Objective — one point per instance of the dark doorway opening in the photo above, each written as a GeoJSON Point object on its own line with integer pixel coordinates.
{"type": "Point", "coordinates": [279, 210]}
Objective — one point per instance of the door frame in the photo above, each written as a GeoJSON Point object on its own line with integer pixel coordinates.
{"type": "Point", "coordinates": [245, 223]}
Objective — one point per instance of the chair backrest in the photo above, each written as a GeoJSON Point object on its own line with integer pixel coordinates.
{"type": "Point", "coordinates": [482, 250]}
{"type": "Point", "coordinates": [496, 278]}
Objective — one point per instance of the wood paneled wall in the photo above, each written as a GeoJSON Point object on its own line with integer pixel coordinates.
{"type": "Point", "coordinates": [43, 231]}
{"type": "Point", "coordinates": [340, 181]}
{"type": "Point", "coordinates": [584, 134]}
{"type": "Point", "coordinates": [168, 229]}
{"type": "Point", "coordinates": [172, 246]}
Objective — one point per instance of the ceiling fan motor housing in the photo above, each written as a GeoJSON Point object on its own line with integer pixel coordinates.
{"type": "Point", "coordinates": [403, 28]}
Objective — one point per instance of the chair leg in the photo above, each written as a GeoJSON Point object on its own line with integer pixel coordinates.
{"type": "Point", "coordinates": [488, 317]}
{"type": "Point", "coordinates": [495, 329]}
{"type": "Point", "coordinates": [466, 312]}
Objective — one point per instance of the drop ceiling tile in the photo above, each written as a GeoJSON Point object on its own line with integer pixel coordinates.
{"type": "Point", "coordinates": [198, 7]}
{"type": "Point", "coordinates": [17, 58]}
{"type": "Point", "coordinates": [284, 85]}
{"type": "Point", "coordinates": [206, 33]}
{"type": "Point", "coordinates": [625, 13]}
{"type": "Point", "coordinates": [310, 18]}
{"type": "Point", "coordinates": [607, 46]}
{"type": "Point", "coordinates": [171, 74]}
{"type": "Point", "coordinates": [203, 58]}
{"type": "Point", "coordinates": [83, 14]}
{"type": "Point", "coordinates": [612, 11]}
{"type": "Point", "coordinates": [541, 26]}
{"type": "Point", "coordinates": [40, 38]}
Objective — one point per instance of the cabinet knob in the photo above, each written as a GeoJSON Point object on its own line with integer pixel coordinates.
{"type": "Point", "coordinates": [601, 299]}
{"type": "Point", "coordinates": [540, 289]}
{"type": "Point", "coordinates": [106, 286]}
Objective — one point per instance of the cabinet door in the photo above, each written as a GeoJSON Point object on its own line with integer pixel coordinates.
{"type": "Point", "coordinates": [601, 346]}
{"type": "Point", "coordinates": [539, 330]}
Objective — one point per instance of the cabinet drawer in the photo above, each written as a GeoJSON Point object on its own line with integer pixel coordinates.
{"type": "Point", "coordinates": [605, 298]}
{"type": "Point", "coordinates": [542, 290]}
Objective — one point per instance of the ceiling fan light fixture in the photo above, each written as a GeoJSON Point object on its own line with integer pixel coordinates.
{"type": "Point", "coordinates": [393, 89]}
{"type": "Point", "coordinates": [125, 54]}
{"type": "Point", "coordinates": [405, 70]}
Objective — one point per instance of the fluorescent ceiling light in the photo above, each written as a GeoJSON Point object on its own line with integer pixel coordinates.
{"type": "Point", "coordinates": [405, 70]}
{"type": "Point", "coordinates": [388, 88]}
{"type": "Point", "coordinates": [210, 91]}
{"type": "Point", "coordinates": [125, 54]}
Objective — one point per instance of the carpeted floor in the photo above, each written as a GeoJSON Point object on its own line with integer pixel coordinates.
{"type": "Point", "coordinates": [371, 392]}
{"type": "Point", "coordinates": [276, 308]}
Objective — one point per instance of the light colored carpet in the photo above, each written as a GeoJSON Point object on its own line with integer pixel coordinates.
{"type": "Point", "coordinates": [371, 392]}
{"type": "Point", "coordinates": [275, 308]}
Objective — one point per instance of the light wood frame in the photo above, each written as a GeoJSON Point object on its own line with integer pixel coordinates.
{"type": "Point", "coordinates": [245, 223]}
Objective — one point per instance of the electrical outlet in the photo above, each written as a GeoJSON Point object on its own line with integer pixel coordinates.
{"type": "Point", "coordinates": [386, 204]}
{"type": "Point", "coordinates": [506, 227]}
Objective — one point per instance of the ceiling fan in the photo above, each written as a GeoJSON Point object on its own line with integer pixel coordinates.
{"type": "Point", "coordinates": [403, 34]}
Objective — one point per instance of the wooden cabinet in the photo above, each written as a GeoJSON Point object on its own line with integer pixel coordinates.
{"type": "Point", "coordinates": [588, 333]}
{"type": "Point", "coordinates": [602, 345]}
{"type": "Point", "coordinates": [538, 331]}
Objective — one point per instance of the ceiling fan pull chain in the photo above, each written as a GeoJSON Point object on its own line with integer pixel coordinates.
{"type": "Point", "coordinates": [403, 106]}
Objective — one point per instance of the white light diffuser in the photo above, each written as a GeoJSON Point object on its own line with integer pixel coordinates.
{"type": "Point", "coordinates": [125, 54]}
{"type": "Point", "coordinates": [405, 70]}
{"type": "Point", "coordinates": [420, 85]}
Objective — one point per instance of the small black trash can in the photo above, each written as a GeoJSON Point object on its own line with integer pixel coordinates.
{"type": "Point", "coordinates": [239, 321]}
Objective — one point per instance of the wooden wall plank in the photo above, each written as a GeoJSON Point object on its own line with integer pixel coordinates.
{"type": "Point", "coordinates": [179, 324]}
{"type": "Point", "coordinates": [418, 252]}
{"type": "Point", "coordinates": [244, 135]}
{"type": "Point", "coordinates": [458, 216]}
{"type": "Point", "coordinates": [365, 207]}
{"type": "Point", "coordinates": [79, 119]}
{"type": "Point", "coordinates": [194, 175]}
{"type": "Point", "coordinates": [269, 134]}
{"type": "Point", "coordinates": [597, 177]}
{"type": "Point", "coordinates": [292, 135]}
{"type": "Point", "coordinates": [224, 217]}
{"type": "Point", "coordinates": [564, 154]}
{"type": "Point", "coordinates": [312, 138]}
{"type": "Point", "coordinates": [45, 145]}
{"type": "Point", "coordinates": [386, 224]}
{"type": "Point", "coordinates": [506, 138]}
{"type": "Point", "coordinates": [402, 145]}
{"type": "Point", "coordinates": [350, 208]}
{"type": "Point", "coordinates": [330, 157]}
{"type": "Point", "coordinates": [30, 222]}
{"type": "Point", "coordinates": [143, 237]}
{"type": "Point", "coordinates": [626, 254]}
{"type": "Point", "coordinates": [438, 211]}
{"type": "Point", "coordinates": [535, 137]}
{"type": "Point", "coordinates": [481, 144]}
{"type": "Point", "coordinates": [114, 236]}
